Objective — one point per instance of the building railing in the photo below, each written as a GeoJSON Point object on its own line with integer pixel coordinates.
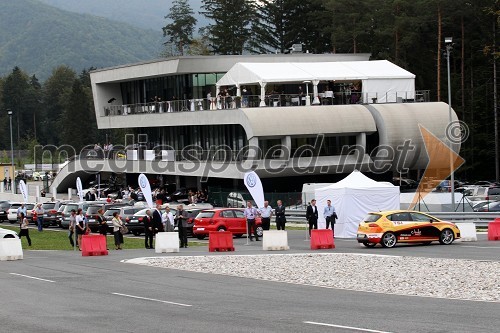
{"type": "Point", "coordinates": [271, 100]}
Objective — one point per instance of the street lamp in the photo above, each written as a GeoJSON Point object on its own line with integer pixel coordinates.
{"type": "Point", "coordinates": [9, 112]}
{"type": "Point", "coordinates": [448, 41]}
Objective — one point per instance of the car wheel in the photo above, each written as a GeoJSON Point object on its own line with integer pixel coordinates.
{"type": "Point", "coordinates": [369, 244]}
{"type": "Point", "coordinates": [446, 237]}
{"type": "Point", "coordinates": [221, 229]}
{"type": "Point", "coordinates": [259, 231]}
{"type": "Point", "coordinates": [136, 233]}
{"type": "Point", "coordinates": [389, 240]}
{"type": "Point", "coordinates": [200, 237]}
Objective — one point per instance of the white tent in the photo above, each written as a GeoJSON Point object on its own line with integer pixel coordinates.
{"type": "Point", "coordinates": [353, 197]}
{"type": "Point", "coordinates": [380, 79]}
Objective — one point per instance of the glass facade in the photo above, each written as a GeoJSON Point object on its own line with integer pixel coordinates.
{"type": "Point", "coordinates": [168, 88]}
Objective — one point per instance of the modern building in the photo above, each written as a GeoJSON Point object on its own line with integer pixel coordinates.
{"type": "Point", "coordinates": [194, 124]}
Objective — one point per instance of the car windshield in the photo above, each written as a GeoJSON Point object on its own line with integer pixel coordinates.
{"type": "Point", "coordinates": [49, 205]}
{"type": "Point", "coordinates": [69, 208]}
{"type": "Point", "coordinates": [205, 215]}
{"type": "Point", "coordinates": [372, 218]}
{"type": "Point", "coordinates": [110, 212]}
{"type": "Point", "coordinates": [61, 209]}
{"type": "Point", "coordinates": [93, 209]}
{"type": "Point", "coordinates": [30, 206]}
{"type": "Point", "coordinates": [15, 206]}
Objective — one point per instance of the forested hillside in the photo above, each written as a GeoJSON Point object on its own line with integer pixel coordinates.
{"type": "Point", "coordinates": [38, 38]}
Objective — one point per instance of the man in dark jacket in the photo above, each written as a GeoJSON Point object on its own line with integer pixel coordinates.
{"type": "Point", "coordinates": [181, 221]}
{"type": "Point", "coordinates": [312, 216]}
{"type": "Point", "coordinates": [148, 230]}
{"type": "Point", "coordinates": [280, 215]}
{"type": "Point", "coordinates": [157, 224]}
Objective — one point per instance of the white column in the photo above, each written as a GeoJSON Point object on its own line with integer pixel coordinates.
{"type": "Point", "coordinates": [70, 190]}
{"type": "Point", "coordinates": [262, 94]}
{"type": "Point", "coordinates": [217, 92]}
{"type": "Point", "coordinates": [1, 187]}
{"type": "Point", "coordinates": [37, 193]}
{"type": "Point", "coordinates": [315, 92]}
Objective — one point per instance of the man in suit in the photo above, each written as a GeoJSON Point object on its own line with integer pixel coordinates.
{"type": "Point", "coordinates": [312, 216]}
{"type": "Point", "coordinates": [181, 219]}
{"type": "Point", "coordinates": [148, 230]}
{"type": "Point", "coordinates": [157, 222]}
{"type": "Point", "coordinates": [280, 216]}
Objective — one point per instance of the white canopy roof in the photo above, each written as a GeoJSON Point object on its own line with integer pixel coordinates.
{"type": "Point", "coordinates": [252, 73]}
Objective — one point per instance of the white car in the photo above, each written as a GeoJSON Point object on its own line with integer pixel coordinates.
{"type": "Point", "coordinates": [5, 233]}
{"type": "Point", "coordinates": [12, 212]}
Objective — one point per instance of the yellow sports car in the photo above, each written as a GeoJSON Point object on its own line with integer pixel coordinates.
{"type": "Point", "coordinates": [390, 227]}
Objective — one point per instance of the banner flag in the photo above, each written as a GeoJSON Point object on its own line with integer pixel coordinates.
{"type": "Point", "coordinates": [254, 186]}
{"type": "Point", "coordinates": [146, 189]}
{"type": "Point", "coordinates": [24, 190]}
{"type": "Point", "coordinates": [79, 189]}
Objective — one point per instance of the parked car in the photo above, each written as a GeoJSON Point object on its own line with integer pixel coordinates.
{"type": "Point", "coordinates": [134, 223]}
{"type": "Point", "coordinates": [6, 233]}
{"type": "Point", "coordinates": [30, 210]}
{"type": "Point", "coordinates": [4, 207]}
{"type": "Point", "coordinates": [59, 214]}
{"type": "Point", "coordinates": [223, 219]}
{"type": "Point", "coordinates": [238, 200]}
{"type": "Point", "coordinates": [12, 212]}
{"type": "Point", "coordinates": [480, 204]}
{"type": "Point", "coordinates": [390, 227]}
{"type": "Point", "coordinates": [50, 212]}
{"type": "Point", "coordinates": [191, 213]}
{"type": "Point", "coordinates": [125, 213]}
{"type": "Point", "coordinates": [91, 213]}
{"type": "Point", "coordinates": [67, 211]}
{"type": "Point", "coordinates": [491, 207]}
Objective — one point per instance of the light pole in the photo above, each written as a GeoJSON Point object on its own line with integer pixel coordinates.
{"type": "Point", "coordinates": [448, 41]}
{"type": "Point", "coordinates": [9, 112]}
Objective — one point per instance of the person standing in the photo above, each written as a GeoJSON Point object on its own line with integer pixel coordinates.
{"type": "Point", "coordinates": [329, 214]}
{"type": "Point", "coordinates": [9, 184]}
{"type": "Point", "coordinates": [250, 214]}
{"type": "Point", "coordinates": [24, 228]}
{"type": "Point", "coordinates": [312, 216]}
{"type": "Point", "coordinates": [21, 209]}
{"type": "Point", "coordinates": [180, 218]}
{"type": "Point", "coordinates": [117, 225]}
{"type": "Point", "coordinates": [39, 211]}
{"type": "Point", "coordinates": [81, 226]}
{"type": "Point", "coordinates": [280, 216]}
{"type": "Point", "coordinates": [168, 220]}
{"type": "Point", "coordinates": [266, 213]}
{"type": "Point", "coordinates": [5, 188]}
{"type": "Point", "coordinates": [148, 230]}
{"type": "Point", "coordinates": [102, 225]}
{"type": "Point", "coordinates": [72, 226]}
{"type": "Point", "coordinates": [157, 222]}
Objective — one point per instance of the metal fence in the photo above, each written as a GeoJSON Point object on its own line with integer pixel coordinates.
{"type": "Point", "coordinates": [235, 198]}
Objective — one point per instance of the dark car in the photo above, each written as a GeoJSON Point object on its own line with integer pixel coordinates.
{"type": "Point", "coordinates": [125, 213]}
{"type": "Point", "coordinates": [91, 213]}
{"type": "Point", "coordinates": [67, 211]}
{"type": "Point", "coordinates": [135, 224]}
{"type": "Point", "coordinates": [50, 216]}
{"type": "Point", "coordinates": [4, 207]}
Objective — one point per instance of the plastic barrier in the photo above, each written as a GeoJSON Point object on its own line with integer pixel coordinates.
{"type": "Point", "coordinates": [167, 242]}
{"type": "Point", "coordinates": [275, 240]}
{"type": "Point", "coordinates": [10, 249]}
{"type": "Point", "coordinates": [494, 230]}
{"type": "Point", "coordinates": [220, 241]}
{"type": "Point", "coordinates": [322, 239]}
{"type": "Point", "coordinates": [467, 232]}
{"type": "Point", "coordinates": [94, 245]}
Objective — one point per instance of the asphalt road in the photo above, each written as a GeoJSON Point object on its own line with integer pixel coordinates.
{"type": "Point", "coordinates": [60, 291]}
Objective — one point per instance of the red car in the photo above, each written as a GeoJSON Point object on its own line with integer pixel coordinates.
{"type": "Point", "coordinates": [223, 219]}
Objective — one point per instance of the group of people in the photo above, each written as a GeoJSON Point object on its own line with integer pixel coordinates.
{"type": "Point", "coordinates": [7, 184]}
{"type": "Point", "coordinates": [328, 213]}
{"type": "Point", "coordinates": [265, 213]}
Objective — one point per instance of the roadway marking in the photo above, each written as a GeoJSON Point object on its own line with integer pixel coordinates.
{"type": "Point", "coordinates": [33, 277]}
{"type": "Point", "coordinates": [151, 299]}
{"type": "Point", "coordinates": [345, 327]}
{"type": "Point", "coordinates": [481, 247]}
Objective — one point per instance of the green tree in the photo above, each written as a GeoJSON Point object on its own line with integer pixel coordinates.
{"type": "Point", "coordinates": [56, 91]}
{"type": "Point", "coordinates": [180, 31]}
{"type": "Point", "coordinates": [15, 93]}
{"type": "Point", "coordinates": [230, 29]}
{"type": "Point", "coordinates": [268, 27]}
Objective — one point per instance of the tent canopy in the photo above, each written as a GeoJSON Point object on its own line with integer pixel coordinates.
{"type": "Point", "coordinates": [379, 77]}
{"type": "Point", "coordinates": [353, 197]}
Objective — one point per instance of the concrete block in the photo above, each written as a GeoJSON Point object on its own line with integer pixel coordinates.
{"type": "Point", "coordinates": [167, 242]}
{"type": "Point", "coordinates": [275, 240]}
{"type": "Point", "coordinates": [10, 249]}
{"type": "Point", "coordinates": [467, 232]}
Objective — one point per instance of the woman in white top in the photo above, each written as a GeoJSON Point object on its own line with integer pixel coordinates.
{"type": "Point", "coordinates": [117, 225]}
{"type": "Point", "coordinates": [24, 228]}
{"type": "Point", "coordinates": [80, 226]}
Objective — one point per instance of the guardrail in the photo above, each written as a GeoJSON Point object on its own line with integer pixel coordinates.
{"type": "Point", "coordinates": [481, 219]}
